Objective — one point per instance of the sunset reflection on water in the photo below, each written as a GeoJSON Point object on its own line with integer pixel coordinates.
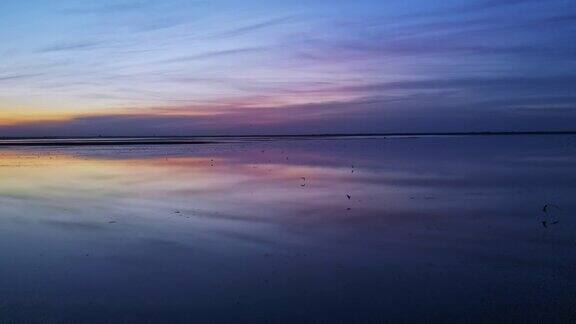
{"type": "Point", "coordinates": [323, 230]}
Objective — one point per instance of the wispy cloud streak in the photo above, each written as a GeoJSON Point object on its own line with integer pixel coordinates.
{"type": "Point", "coordinates": [179, 66]}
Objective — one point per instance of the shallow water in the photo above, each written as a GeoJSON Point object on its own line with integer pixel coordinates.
{"type": "Point", "coordinates": [434, 229]}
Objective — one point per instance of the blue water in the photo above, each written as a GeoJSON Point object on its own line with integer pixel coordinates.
{"type": "Point", "coordinates": [449, 229]}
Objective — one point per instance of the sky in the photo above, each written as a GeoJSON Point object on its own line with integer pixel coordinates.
{"type": "Point", "coordinates": [227, 67]}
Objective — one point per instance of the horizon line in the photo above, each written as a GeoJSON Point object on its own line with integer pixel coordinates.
{"type": "Point", "coordinates": [205, 139]}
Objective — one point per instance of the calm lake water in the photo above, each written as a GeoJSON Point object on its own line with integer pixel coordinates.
{"type": "Point", "coordinates": [449, 229]}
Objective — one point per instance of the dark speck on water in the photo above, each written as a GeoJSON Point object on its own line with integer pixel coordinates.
{"type": "Point", "coordinates": [547, 207]}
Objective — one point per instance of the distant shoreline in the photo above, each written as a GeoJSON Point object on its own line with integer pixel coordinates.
{"type": "Point", "coordinates": [180, 140]}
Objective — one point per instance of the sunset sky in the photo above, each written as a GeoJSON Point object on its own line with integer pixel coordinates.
{"type": "Point", "coordinates": [183, 67]}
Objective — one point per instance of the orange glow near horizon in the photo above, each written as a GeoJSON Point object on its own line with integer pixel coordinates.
{"type": "Point", "coordinates": [14, 117]}
{"type": "Point", "coordinates": [10, 117]}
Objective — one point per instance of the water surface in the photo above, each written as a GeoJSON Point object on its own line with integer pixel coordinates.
{"type": "Point", "coordinates": [447, 229]}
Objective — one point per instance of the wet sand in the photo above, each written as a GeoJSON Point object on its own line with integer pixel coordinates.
{"type": "Point", "coordinates": [402, 229]}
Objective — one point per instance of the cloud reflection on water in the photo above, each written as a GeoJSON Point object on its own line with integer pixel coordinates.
{"type": "Point", "coordinates": [187, 230]}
